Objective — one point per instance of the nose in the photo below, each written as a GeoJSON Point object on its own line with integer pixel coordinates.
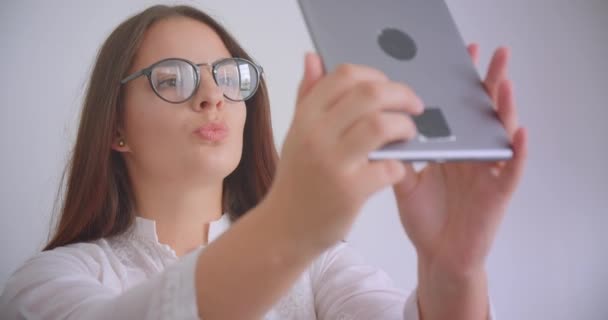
{"type": "Point", "coordinates": [208, 95]}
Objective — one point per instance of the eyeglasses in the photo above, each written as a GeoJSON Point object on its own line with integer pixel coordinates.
{"type": "Point", "coordinates": [176, 80]}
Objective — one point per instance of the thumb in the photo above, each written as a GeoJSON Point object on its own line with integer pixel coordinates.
{"type": "Point", "coordinates": [313, 71]}
{"type": "Point", "coordinates": [405, 187]}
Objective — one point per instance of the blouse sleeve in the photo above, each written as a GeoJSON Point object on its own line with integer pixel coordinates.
{"type": "Point", "coordinates": [60, 284]}
{"type": "Point", "coordinates": [345, 287]}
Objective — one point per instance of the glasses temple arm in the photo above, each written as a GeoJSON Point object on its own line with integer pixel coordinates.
{"type": "Point", "coordinates": [133, 76]}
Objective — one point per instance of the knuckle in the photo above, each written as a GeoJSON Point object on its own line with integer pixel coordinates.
{"type": "Point", "coordinates": [376, 74]}
{"type": "Point", "coordinates": [346, 70]}
{"type": "Point", "coordinates": [377, 126]}
{"type": "Point", "coordinates": [371, 90]}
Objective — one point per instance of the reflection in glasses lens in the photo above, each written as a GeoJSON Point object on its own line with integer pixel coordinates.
{"type": "Point", "coordinates": [176, 80]}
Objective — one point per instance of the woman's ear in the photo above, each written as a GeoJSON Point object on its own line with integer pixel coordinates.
{"type": "Point", "coordinates": [120, 143]}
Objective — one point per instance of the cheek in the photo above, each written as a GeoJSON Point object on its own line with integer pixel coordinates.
{"type": "Point", "coordinates": [242, 116]}
{"type": "Point", "coordinates": [149, 124]}
{"type": "Point", "coordinates": [239, 122]}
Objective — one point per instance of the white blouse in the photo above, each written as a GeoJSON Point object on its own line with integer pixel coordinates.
{"type": "Point", "coordinates": [134, 276]}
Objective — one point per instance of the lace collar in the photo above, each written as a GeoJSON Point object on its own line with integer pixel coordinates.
{"type": "Point", "coordinates": [146, 228]}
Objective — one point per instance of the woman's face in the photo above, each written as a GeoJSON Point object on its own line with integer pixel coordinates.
{"type": "Point", "coordinates": [164, 141]}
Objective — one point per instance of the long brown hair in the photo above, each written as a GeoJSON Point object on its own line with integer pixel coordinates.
{"type": "Point", "coordinates": [98, 200]}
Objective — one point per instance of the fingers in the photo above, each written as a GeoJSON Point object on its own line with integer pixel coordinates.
{"type": "Point", "coordinates": [506, 108]}
{"type": "Point", "coordinates": [404, 187]}
{"type": "Point", "coordinates": [372, 97]}
{"type": "Point", "coordinates": [329, 89]}
{"type": "Point", "coordinates": [513, 170]}
{"type": "Point", "coordinates": [313, 71]}
{"type": "Point", "coordinates": [374, 131]}
{"type": "Point", "coordinates": [500, 90]}
{"type": "Point", "coordinates": [473, 49]}
{"type": "Point", "coordinates": [346, 114]}
{"type": "Point", "coordinates": [379, 174]}
{"type": "Point", "coordinates": [497, 72]}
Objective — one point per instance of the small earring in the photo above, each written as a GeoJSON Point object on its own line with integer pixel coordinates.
{"type": "Point", "coordinates": [121, 143]}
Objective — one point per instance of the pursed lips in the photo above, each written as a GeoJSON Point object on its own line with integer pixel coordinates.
{"type": "Point", "coordinates": [213, 131]}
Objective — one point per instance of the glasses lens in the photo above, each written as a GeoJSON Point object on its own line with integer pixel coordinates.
{"type": "Point", "coordinates": [174, 80]}
{"type": "Point", "coordinates": [237, 78]}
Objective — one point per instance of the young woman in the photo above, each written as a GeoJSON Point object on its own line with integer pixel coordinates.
{"type": "Point", "coordinates": [177, 206]}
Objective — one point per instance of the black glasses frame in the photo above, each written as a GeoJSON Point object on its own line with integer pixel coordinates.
{"type": "Point", "coordinates": [196, 66]}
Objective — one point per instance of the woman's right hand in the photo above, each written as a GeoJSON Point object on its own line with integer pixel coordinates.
{"type": "Point", "coordinates": [324, 176]}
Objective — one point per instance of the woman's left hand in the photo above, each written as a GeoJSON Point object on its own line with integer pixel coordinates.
{"type": "Point", "coordinates": [451, 211]}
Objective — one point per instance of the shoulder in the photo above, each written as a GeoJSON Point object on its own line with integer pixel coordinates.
{"type": "Point", "coordinates": [86, 257]}
{"type": "Point", "coordinates": [341, 254]}
{"type": "Point", "coordinates": [79, 260]}
{"type": "Point", "coordinates": [54, 283]}
{"type": "Point", "coordinates": [343, 266]}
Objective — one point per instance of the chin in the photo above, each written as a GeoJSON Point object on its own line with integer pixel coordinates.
{"type": "Point", "coordinates": [215, 166]}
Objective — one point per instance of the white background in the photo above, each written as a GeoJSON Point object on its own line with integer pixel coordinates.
{"type": "Point", "coordinates": [550, 260]}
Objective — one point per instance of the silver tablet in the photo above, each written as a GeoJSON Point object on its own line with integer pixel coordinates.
{"type": "Point", "coordinates": [415, 42]}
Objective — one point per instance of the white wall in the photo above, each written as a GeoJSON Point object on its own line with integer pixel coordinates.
{"type": "Point", "coordinates": [549, 261]}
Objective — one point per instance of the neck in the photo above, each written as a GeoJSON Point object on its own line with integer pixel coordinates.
{"type": "Point", "coordinates": [182, 214]}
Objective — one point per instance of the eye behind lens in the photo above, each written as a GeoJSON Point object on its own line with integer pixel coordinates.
{"type": "Point", "coordinates": [238, 77]}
